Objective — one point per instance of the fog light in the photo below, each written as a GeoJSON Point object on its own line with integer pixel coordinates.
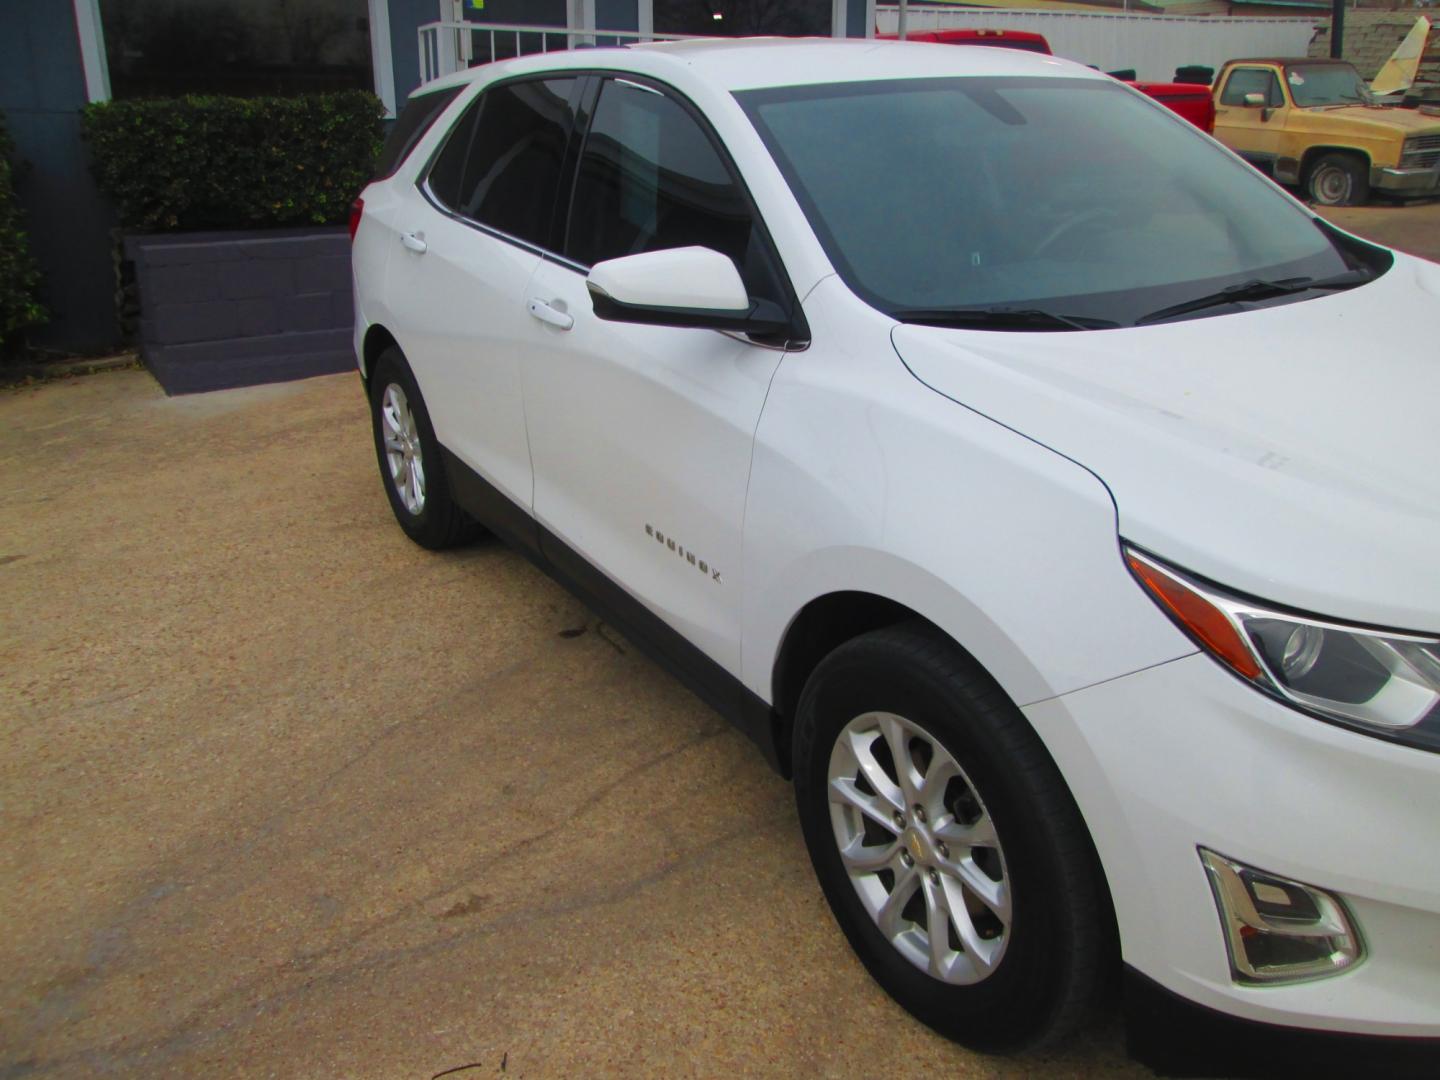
{"type": "Point", "coordinates": [1278, 930]}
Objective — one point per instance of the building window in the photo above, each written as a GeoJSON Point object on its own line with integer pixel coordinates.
{"type": "Point", "coordinates": [734, 18]}
{"type": "Point", "coordinates": [164, 48]}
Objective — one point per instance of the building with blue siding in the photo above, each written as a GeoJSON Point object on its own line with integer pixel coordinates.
{"type": "Point", "coordinates": [57, 55]}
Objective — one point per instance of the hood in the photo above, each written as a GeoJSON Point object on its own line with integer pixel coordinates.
{"type": "Point", "coordinates": [1290, 452]}
{"type": "Point", "coordinates": [1377, 119]}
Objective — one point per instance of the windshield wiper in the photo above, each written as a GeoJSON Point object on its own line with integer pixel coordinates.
{"type": "Point", "coordinates": [1000, 317]}
{"type": "Point", "coordinates": [1258, 289]}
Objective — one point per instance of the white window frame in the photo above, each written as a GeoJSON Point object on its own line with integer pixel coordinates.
{"type": "Point", "coordinates": [382, 57]}
{"type": "Point", "coordinates": [91, 35]}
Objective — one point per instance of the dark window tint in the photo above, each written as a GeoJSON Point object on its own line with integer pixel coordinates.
{"type": "Point", "coordinates": [414, 120]}
{"type": "Point", "coordinates": [650, 179]}
{"type": "Point", "coordinates": [165, 48]}
{"type": "Point", "coordinates": [448, 172]}
{"type": "Point", "coordinates": [502, 163]}
{"type": "Point", "coordinates": [1244, 81]}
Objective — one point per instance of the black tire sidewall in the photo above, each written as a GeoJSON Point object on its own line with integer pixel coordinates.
{"type": "Point", "coordinates": [1015, 1006]}
{"type": "Point", "coordinates": [1352, 167]}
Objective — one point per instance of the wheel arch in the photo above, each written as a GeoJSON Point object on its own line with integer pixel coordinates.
{"type": "Point", "coordinates": [836, 609]}
{"type": "Point", "coordinates": [818, 629]}
{"type": "Point", "coordinates": [1314, 153]}
{"type": "Point", "coordinates": [377, 339]}
{"type": "Point", "coordinates": [830, 620]}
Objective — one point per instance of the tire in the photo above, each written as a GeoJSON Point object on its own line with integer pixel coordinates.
{"type": "Point", "coordinates": [1338, 180]}
{"type": "Point", "coordinates": [1008, 987]}
{"type": "Point", "coordinates": [411, 466]}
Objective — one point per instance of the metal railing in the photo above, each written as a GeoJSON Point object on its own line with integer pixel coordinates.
{"type": "Point", "coordinates": [448, 47]}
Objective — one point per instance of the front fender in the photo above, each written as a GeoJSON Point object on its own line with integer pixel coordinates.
{"type": "Point", "coordinates": [865, 479]}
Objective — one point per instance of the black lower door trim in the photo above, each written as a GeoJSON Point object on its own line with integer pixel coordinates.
{"type": "Point", "coordinates": [710, 682]}
{"type": "Point", "coordinates": [491, 507]}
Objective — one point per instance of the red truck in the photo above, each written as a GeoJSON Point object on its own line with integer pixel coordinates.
{"type": "Point", "coordinates": [1192, 102]}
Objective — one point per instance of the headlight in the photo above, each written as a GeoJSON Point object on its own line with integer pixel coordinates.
{"type": "Point", "coordinates": [1375, 681]}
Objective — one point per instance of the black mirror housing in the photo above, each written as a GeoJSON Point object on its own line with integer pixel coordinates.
{"type": "Point", "coordinates": [762, 318]}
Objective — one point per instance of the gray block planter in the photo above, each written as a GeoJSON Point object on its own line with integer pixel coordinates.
{"type": "Point", "coordinates": [226, 309]}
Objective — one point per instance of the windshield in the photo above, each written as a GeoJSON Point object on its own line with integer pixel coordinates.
{"type": "Point", "coordinates": [1326, 84]}
{"type": "Point", "coordinates": [1075, 196]}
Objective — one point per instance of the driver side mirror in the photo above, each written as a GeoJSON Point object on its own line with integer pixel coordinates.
{"type": "Point", "coordinates": [1258, 101]}
{"type": "Point", "coordinates": [689, 286]}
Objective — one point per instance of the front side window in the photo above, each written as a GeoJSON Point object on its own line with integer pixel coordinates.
{"type": "Point", "coordinates": [1069, 196]}
{"type": "Point", "coordinates": [502, 163]}
{"type": "Point", "coordinates": [1244, 81]}
{"type": "Point", "coordinates": [650, 179]}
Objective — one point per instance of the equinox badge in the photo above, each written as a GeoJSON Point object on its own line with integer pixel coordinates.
{"type": "Point", "coordinates": [689, 556]}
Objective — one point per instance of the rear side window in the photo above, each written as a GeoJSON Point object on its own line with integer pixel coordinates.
{"type": "Point", "coordinates": [651, 179]}
{"type": "Point", "coordinates": [502, 164]}
{"type": "Point", "coordinates": [419, 113]}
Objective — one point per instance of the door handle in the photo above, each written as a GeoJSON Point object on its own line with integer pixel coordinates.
{"type": "Point", "coordinates": [415, 242]}
{"type": "Point", "coordinates": [549, 315]}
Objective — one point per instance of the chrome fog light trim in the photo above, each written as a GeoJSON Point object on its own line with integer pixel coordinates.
{"type": "Point", "coordinates": [1278, 930]}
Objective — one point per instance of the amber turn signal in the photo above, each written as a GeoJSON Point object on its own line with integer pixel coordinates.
{"type": "Point", "coordinates": [1196, 615]}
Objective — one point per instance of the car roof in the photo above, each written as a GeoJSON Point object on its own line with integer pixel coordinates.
{"type": "Point", "coordinates": [1283, 60]}
{"type": "Point", "coordinates": [755, 63]}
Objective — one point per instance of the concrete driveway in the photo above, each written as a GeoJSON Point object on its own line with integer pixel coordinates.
{"type": "Point", "coordinates": [283, 795]}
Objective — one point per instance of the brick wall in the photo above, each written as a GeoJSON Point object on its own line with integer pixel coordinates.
{"type": "Point", "coordinates": [236, 309]}
{"type": "Point", "coordinates": [1371, 36]}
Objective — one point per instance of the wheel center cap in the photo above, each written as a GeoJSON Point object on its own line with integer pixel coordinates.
{"type": "Point", "coordinates": [916, 845]}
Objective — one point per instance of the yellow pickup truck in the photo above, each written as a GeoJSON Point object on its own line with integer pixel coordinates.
{"type": "Point", "coordinates": [1314, 123]}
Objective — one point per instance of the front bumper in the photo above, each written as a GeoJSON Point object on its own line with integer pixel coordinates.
{"type": "Point", "coordinates": [1181, 756]}
{"type": "Point", "coordinates": [1406, 181]}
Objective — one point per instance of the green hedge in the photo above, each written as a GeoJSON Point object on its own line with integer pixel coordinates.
{"type": "Point", "coordinates": [19, 276]}
{"type": "Point", "coordinates": [177, 164]}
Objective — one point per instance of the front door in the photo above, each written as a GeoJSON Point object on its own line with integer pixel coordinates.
{"type": "Point", "coordinates": [641, 436]}
{"type": "Point", "coordinates": [1252, 131]}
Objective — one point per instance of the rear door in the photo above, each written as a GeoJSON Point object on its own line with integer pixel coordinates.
{"type": "Point", "coordinates": [469, 241]}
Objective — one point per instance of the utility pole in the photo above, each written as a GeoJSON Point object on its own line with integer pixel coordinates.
{"type": "Point", "coordinates": [1337, 28]}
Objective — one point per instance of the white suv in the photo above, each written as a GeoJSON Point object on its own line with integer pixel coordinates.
{"type": "Point", "coordinates": [1052, 496]}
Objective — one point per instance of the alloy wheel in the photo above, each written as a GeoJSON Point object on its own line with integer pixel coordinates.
{"type": "Point", "coordinates": [402, 448]}
{"type": "Point", "coordinates": [919, 847]}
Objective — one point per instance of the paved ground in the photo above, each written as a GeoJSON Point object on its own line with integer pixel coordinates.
{"type": "Point", "coordinates": [1413, 227]}
{"type": "Point", "coordinates": [283, 795]}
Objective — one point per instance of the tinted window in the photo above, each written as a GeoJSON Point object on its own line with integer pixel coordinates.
{"type": "Point", "coordinates": [415, 119]}
{"type": "Point", "coordinates": [1075, 196]}
{"type": "Point", "coordinates": [650, 179]}
{"type": "Point", "coordinates": [1252, 81]}
{"type": "Point", "coordinates": [502, 163]}
{"type": "Point", "coordinates": [449, 168]}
